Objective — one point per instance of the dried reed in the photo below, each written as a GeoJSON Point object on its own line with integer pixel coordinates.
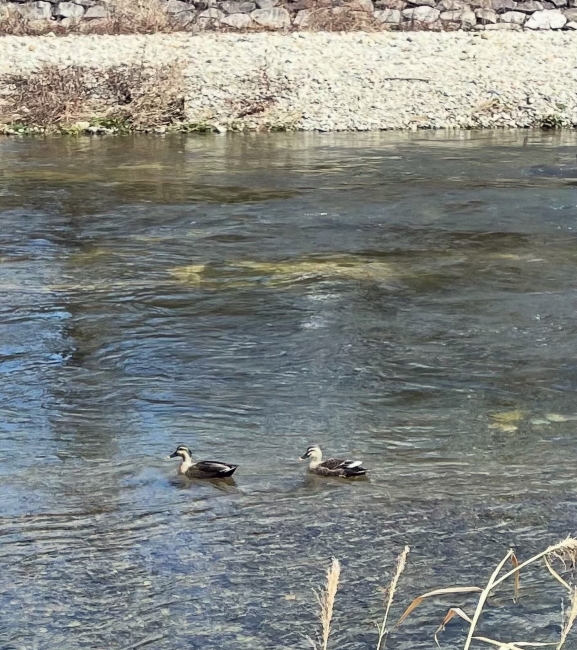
{"type": "Point", "coordinates": [139, 17]}
{"type": "Point", "coordinates": [390, 594]}
{"type": "Point", "coordinates": [569, 619]}
{"type": "Point", "coordinates": [135, 96]}
{"type": "Point", "coordinates": [46, 97]}
{"type": "Point", "coordinates": [326, 600]}
{"type": "Point", "coordinates": [565, 552]}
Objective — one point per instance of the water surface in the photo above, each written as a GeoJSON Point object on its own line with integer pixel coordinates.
{"type": "Point", "coordinates": [409, 300]}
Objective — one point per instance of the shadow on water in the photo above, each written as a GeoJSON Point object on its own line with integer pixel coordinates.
{"type": "Point", "coordinates": [408, 300]}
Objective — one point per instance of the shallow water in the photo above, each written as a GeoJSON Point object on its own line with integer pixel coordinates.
{"type": "Point", "coordinates": [409, 300]}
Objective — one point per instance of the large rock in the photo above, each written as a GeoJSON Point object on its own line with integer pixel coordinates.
{"type": "Point", "coordinates": [233, 7]}
{"type": "Point", "coordinates": [391, 4]}
{"type": "Point", "coordinates": [98, 11]}
{"type": "Point", "coordinates": [423, 3]}
{"type": "Point", "coordinates": [559, 3]}
{"type": "Point", "coordinates": [365, 5]}
{"type": "Point", "coordinates": [35, 10]}
{"type": "Point", "coordinates": [501, 6]}
{"type": "Point", "coordinates": [451, 5]}
{"type": "Point", "coordinates": [266, 4]}
{"type": "Point", "coordinates": [486, 16]}
{"type": "Point", "coordinates": [514, 17]}
{"type": "Point", "coordinates": [69, 10]}
{"type": "Point", "coordinates": [529, 7]}
{"type": "Point", "coordinates": [7, 11]}
{"type": "Point", "coordinates": [421, 14]}
{"type": "Point", "coordinates": [570, 14]}
{"type": "Point", "coordinates": [177, 7]}
{"type": "Point", "coordinates": [211, 14]}
{"type": "Point", "coordinates": [546, 19]}
{"type": "Point", "coordinates": [276, 18]}
{"type": "Point", "coordinates": [391, 16]}
{"type": "Point", "coordinates": [456, 15]}
{"type": "Point", "coordinates": [238, 21]}
{"type": "Point", "coordinates": [303, 18]}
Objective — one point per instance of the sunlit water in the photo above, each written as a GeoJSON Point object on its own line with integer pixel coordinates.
{"type": "Point", "coordinates": [406, 300]}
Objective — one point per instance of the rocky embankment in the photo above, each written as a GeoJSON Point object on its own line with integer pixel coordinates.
{"type": "Point", "coordinates": [111, 16]}
{"type": "Point", "coordinates": [351, 81]}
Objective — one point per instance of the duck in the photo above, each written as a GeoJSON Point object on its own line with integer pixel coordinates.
{"type": "Point", "coordinates": [332, 466]}
{"type": "Point", "coordinates": [202, 469]}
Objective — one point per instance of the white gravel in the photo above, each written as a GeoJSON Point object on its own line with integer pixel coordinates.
{"type": "Point", "coordinates": [352, 81]}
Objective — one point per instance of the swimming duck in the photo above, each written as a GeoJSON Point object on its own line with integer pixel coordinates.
{"type": "Point", "coordinates": [332, 466]}
{"type": "Point", "coordinates": [202, 469]}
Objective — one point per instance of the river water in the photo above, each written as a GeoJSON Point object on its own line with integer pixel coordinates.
{"type": "Point", "coordinates": [408, 300]}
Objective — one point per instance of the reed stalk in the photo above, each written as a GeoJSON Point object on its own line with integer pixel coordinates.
{"type": "Point", "coordinates": [326, 600]}
{"type": "Point", "coordinates": [390, 594]}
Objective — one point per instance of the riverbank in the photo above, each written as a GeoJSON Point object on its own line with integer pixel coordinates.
{"type": "Point", "coordinates": [301, 81]}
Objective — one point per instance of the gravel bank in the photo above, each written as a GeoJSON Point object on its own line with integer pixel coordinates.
{"type": "Point", "coordinates": [344, 81]}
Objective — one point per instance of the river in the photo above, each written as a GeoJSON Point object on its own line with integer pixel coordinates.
{"type": "Point", "coordinates": [405, 299]}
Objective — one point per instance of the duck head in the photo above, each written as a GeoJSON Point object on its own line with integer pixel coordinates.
{"type": "Point", "coordinates": [314, 453]}
{"type": "Point", "coordinates": [181, 451]}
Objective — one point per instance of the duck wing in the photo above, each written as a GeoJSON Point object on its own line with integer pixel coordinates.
{"type": "Point", "coordinates": [340, 463]}
{"type": "Point", "coordinates": [341, 467]}
{"type": "Point", "coordinates": [213, 468]}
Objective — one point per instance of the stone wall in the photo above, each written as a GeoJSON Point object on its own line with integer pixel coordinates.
{"type": "Point", "coordinates": [287, 15]}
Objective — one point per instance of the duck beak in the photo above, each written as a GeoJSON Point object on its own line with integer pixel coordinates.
{"type": "Point", "coordinates": [303, 457]}
{"type": "Point", "coordinates": [173, 455]}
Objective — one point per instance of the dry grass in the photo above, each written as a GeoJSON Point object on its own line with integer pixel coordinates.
{"type": "Point", "coordinates": [139, 17]}
{"type": "Point", "coordinates": [137, 97]}
{"type": "Point", "coordinates": [49, 96]}
{"type": "Point", "coordinates": [347, 18]}
{"type": "Point", "coordinates": [390, 594]}
{"type": "Point", "coordinates": [564, 552]}
{"type": "Point", "coordinates": [147, 99]}
{"type": "Point", "coordinates": [326, 601]}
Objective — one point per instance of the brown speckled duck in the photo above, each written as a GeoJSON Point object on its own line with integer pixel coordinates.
{"type": "Point", "coordinates": [332, 466]}
{"type": "Point", "coordinates": [202, 469]}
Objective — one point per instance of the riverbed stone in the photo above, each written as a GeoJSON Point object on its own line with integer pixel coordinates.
{"type": "Point", "coordinates": [546, 19]}
{"type": "Point", "coordinates": [421, 14]}
{"type": "Point", "coordinates": [266, 4]}
{"type": "Point", "coordinates": [515, 17]}
{"type": "Point", "coordinates": [69, 10]}
{"type": "Point", "coordinates": [390, 16]}
{"type": "Point", "coordinates": [238, 21]}
{"type": "Point", "coordinates": [570, 14]}
{"type": "Point", "coordinates": [276, 18]}
{"type": "Point", "coordinates": [422, 3]}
